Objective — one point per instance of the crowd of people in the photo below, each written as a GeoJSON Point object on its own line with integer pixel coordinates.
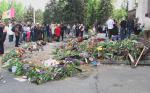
{"type": "Point", "coordinates": [123, 29]}
{"type": "Point", "coordinates": [28, 32]}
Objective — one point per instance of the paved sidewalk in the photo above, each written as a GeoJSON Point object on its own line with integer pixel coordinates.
{"type": "Point", "coordinates": [106, 79]}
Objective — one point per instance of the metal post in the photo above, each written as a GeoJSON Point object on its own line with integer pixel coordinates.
{"type": "Point", "coordinates": [33, 15]}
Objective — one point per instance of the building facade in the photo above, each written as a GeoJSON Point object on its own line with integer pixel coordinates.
{"type": "Point", "coordinates": [138, 9]}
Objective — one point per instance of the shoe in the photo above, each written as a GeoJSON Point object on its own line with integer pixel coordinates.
{"type": "Point", "coordinates": [16, 46]}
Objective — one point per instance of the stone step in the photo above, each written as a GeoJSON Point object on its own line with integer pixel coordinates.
{"type": "Point", "coordinates": [142, 62]}
{"type": "Point", "coordinates": [146, 57]}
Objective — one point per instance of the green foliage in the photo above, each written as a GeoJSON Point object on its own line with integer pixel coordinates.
{"type": "Point", "coordinates": [39, 16]}
{"type": "Point", "coordinates": [28, 15]}
{"type": "Point", "coordinates": [104, 11]}
{"type": "Point", "coordinates": [118, 14]}
{"type": "Point", "coordinates": [67, 11]}
{"type": "Point", "coordinates": [98, 11]}
{"type": "Point", "coordinates": [81, 11]}
{"type": "Point", "coordinates": [91, 11]}
{"type": "Point", "coordinates": [50, 11]}
{"type": "Point", "coordinates": [19, 11]}
{"type": "Point", "coordinates": [4, 6]}
{"type": "Point", "coordinates": [19, 8]}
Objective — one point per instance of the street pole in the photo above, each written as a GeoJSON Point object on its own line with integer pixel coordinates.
{"type": "Point", "coordinates": [33, 15]}
{"type": "Point", "coordinates": [127, 9]}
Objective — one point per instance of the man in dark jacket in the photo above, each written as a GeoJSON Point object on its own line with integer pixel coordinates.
{"type": "Point", "coordinates": [17, 30]}
{"type": "Point", "coordinates": [123, 26]}
{"type": "Point", "coordinates": [130, 27]}
{"type": "Point", "coordinates": [63, 29]}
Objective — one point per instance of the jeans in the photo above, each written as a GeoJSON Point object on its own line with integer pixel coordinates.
{"type": "Point", "coordinates": [130, 30]}
{"type": "Point", "coordinates": [24, 36]}
{"type": "Point", "coordinates": [48, 35]}
{"type": "Point", "coordinates": [1, 47]}
{"type": "Point", "coordinates": [123, 33]}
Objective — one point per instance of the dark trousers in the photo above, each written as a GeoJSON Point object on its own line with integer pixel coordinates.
{"type": "Point", "coordinates": [130, 30]}
{"type": "Point", "coordinates": [81, 33]}
{"type": "Point", "coordinates": [110, 33]}
{"type": "Point", "coordinates": [57, 38]}
{"type": "Point", "coordinates": [62, 35]}
{"type": "Point", "coordinates": [77, 33]}
{"type": "Point", "coordinates": [24, 36]}
{"type": "Point", "coordinates": [123, 33]}
{"type": "Point", "coordinates": [1, 47]}
{"type": "Point", "coordinates": [4, 36]}
{"type": "Point", "coordinates": [17, 41]}
{"type": "Point", "coordinates": [33, 36]}
{"type": "Point", "coordinates": [48, 35]}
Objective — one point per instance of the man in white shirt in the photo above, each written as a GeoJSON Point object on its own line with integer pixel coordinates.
{"type": "Point", "coordinates": [110, 24]}
{"type": "Point", "coordinates": [146, 22]}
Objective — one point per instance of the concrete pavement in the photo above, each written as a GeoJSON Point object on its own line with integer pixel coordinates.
{"type": "Point", "coordinates": [104, 79]}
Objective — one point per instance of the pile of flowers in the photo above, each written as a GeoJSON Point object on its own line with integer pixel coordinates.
{"type": "Point", "coordinates": [68, 57]}
{"type": "Point", "coordinates": [99, 49]}
{"type": "Point", "coordinates": [49, 71]}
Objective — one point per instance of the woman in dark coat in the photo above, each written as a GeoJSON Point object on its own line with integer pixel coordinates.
{"type": "Point", "coordinates": [1, 38]}
{"type": "Point", "coordinates": [39, 32]}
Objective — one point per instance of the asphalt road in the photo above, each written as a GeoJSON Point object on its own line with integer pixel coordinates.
{"type": "Point", "coordinates": [104, 79]}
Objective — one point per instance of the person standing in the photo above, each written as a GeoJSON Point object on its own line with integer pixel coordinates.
{"type": "Point", "coordinates": [123, 26]}
{"type": "Point", "coordinates": [110, 24]}
{"type": "Point", "coordinates": [32, 33]}
{"type": "Point", "coordinates": [28, 33]}
{"type": "Point", "coordinates": [53, 30]}
{"type": "Point", "coordinates": [58, 32]}
{"type": "Point", "coordinates": [35, 36]}
{"type": "Point", "coordinates": [146, 23]}
{"type": "Point", "coordinates": [1, 38]}
{"type": "Point", "coordinates": [99, 29]}
{"type": "Point", "coordinates": [115, 31]}
{"type": "Point", "coordinates": [74, 29]}
{"type": "Point", "coordinates": [17, 35]}
{"type": "Point", "coordinates": [21, 32]}
{"type": "Point", "coordinates": [63, 29]}
{"type": "Point", "coordinates": [39, 32]}
{"type": "Point", "coordinates": [68, 29]}
{"type": "Point", "coordinates": [48, 32]}
{"type": "Point", "coordinates": [81, 27]}
{"type": "Point", "coordinates": [130, 27]}
{"type": "Point", "coordinates": [6, 28]}
{"type": "Point", "coordinates": [77, 31]}
{"type": "Point", "coordinates": [10, 33]}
